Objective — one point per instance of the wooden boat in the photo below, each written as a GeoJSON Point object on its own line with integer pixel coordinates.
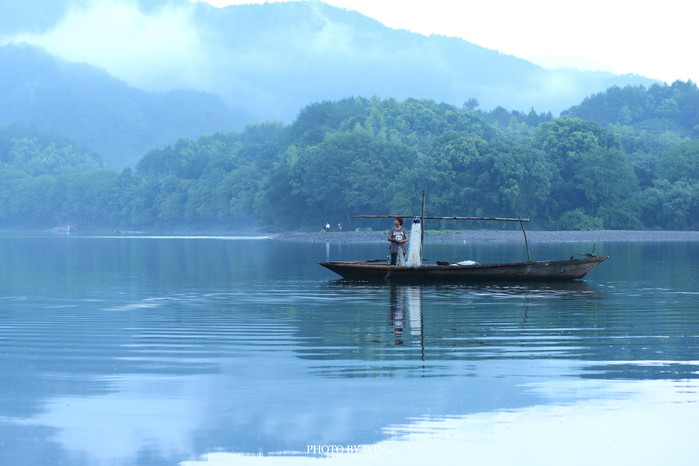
{"type": "Point", "coordinates": [548, 270]}
{"type": "Point", "coordinates": [551, 270]}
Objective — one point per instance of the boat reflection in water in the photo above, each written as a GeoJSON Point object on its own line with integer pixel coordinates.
{"type": "Point", "coordinates": [410, 305]}
{"type": "Point", "coordinates": [406, 310]}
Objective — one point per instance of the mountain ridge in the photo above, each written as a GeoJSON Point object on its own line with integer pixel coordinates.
{"type": "Point", "coordinates": [266, 62]}
{"type": "Point", "coordinates": [101, 112]}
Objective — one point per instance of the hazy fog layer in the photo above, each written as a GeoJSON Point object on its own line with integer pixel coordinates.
{"type": "Point", "coordinates": [273, 59]}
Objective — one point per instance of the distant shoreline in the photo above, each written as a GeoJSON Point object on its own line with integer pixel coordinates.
{"type": "Point", "coordinates": [507, 236]}
{"type": "Point", "coordinates": [431, 237]}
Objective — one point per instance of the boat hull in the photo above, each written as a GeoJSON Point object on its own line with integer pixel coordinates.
{"type": "Point", "coordinates": [567, 269]}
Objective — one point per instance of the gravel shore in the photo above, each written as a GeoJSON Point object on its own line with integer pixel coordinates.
{"type": "Point", "coordinates": [498, 236]}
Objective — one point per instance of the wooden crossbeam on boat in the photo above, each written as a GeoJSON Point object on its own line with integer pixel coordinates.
{"type": "Point", "coordinates": [498, 219]}
{"type": "Point", "coordinates": [422, 216]}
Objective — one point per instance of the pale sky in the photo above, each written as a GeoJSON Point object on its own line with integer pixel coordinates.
{"type": "Point", "coordinates": [653, 39]}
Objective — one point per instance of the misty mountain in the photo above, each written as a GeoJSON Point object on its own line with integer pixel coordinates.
{"type": "Point", "coordinates": [308, 51]}
{"type": "Point", "coordinates": [102, 113]}
{"type": "Point", "coordinates": [267, 60]}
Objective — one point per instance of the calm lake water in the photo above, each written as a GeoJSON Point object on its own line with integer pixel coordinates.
{"type": "Point", "coordinates": [222, 350]}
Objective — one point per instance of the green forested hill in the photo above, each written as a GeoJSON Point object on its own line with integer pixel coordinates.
{"type": "Point", "coordinates": [655, 110]}
{"type": "Point", "coordinates": [357, 156]}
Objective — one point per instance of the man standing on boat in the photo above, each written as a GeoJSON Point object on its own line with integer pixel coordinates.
{"type": "Point", "coordinates": [398, 236]}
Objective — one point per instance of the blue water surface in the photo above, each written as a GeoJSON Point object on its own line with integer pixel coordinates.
{"type": "Point", "coordinates": [240, 350]}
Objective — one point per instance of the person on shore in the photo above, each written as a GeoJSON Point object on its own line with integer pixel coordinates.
{"type": "Point", "coordinates": [398, 236]}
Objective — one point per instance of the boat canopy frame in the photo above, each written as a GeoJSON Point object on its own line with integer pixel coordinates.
{"type": "Point", "coordinates": [422, 218]}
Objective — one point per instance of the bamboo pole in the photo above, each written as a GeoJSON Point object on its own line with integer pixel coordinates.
{"type": "Point", "coordinates": [499, 219]}
{"type": "Point", "coordinates": [526, 242]}
{"type": "Point", "coordinates": [422, 225]}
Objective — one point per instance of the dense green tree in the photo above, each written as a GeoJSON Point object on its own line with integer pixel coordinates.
{"type": "Point", "coordinates": [276, 204]}
{"type": "Point", "coordinates": [208, 200]}
{"type": "Point", "coordinates": [657, 109]}
{"type": "Point", "coordinates": [36, 157]}
{"type": "Point", "coordinates": [185, 160]}
{"type": "Point", "coordinates": [681, 163]}
{"type": "Point", "coordinates": [171, 199]}
{"type": "Point", "coordinates": [91, 198]}
{"type": "Point", "coordinates": [358, 156]}
{"type": "Point", "coordinates": [605, 176]}
{"type": "Point", "coordinates": [577, 219]}
{"type": "Point", "coordinates": [241, 187]}
{"type": "Point", "coordinates": [591, 169]}
{"type": "Point", "coordinates": [347, 173]}
{"type": "Point", "coordinates": [672, 206]}
{"type": "Point", "coordinates": [469, 175]}
{"type": "Point", "coordinates": [319, 118]}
